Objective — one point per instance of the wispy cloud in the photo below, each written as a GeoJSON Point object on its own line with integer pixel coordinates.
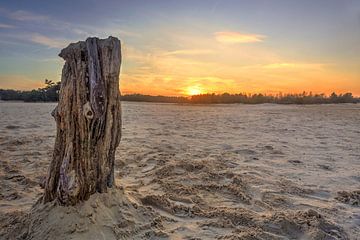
{"type": "Point", "coordinates": [190, 52]}
{"type": "Point", "coordinates": [3, 25]}
{"type": "Point", "coordinates": [237, 37]}
{"type": "Point", "coordinates": [21, 15]}
{"type": "Point", "coordinates": [67, 28]}
{"type": "Point", "coordinates": [292, 65]}
{"type": "Point", "coordinates": [47, 41]}
{"type": "Point", "coordinates": [280, 65]}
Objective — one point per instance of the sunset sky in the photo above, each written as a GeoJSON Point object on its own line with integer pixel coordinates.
{"type": "Point", "coordinates": [174, 47]}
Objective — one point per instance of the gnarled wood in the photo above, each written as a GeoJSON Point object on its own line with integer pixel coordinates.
{"type": "Point", "coordinates": [88, 119]}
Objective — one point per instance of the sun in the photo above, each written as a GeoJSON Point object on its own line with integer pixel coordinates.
{"type": "Point", "coordinates": [194, 90]}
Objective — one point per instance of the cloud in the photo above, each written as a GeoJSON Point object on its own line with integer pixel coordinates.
{"type": "Point", "coordinates": [46, 41]}
{"type": "Point", "coordinates": [49, 24]}
{"type": "Point", "coordinates": [190, 52]}
{"type": "Point", "coordinates": [21, 15]}
{"type": "Point", "coordinates": [280, 65]}
{"type": "Point", "coordinates": [291, 65]}
{"type": "Point", "coordinates": [237, 37]}
{"type": "Point", "coordinates": [2, 25]}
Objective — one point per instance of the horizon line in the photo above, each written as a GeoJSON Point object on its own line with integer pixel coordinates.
{"type": "Point", "coordinates": [307, 93]}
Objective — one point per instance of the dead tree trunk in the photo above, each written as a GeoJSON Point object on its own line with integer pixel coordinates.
{"type": "Point", "coordinates": [88, 119]}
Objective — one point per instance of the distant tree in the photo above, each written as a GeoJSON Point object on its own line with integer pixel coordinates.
{"type": "Point", "coordinates": [49, 93]}
{"type": "Point", "coordinates": [333, 97]}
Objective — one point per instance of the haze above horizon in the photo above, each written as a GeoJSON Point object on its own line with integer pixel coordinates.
{"type": "Point", "coordinates": [188, 47]}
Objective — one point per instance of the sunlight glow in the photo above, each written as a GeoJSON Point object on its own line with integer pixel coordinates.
{"type": "Point", "coordinates": [194, 90]}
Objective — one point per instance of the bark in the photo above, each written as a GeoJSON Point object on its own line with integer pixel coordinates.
{"type": "Point", "coordinates": [88, 119]}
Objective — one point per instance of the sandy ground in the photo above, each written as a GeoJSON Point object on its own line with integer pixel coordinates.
{"type": "Point", "coordinates": [195, 172]}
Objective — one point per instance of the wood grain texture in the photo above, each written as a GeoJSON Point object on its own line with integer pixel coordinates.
{"type": "Point", "coordinates": [88, 118]}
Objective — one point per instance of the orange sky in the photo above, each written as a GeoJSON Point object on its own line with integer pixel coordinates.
{"type": "Point", "coordinates": [188, 47]}
{"type": "Point", "coordinates": [229, 62]}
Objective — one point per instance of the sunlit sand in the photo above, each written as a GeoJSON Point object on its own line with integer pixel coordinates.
{"type": "Point", "coordinates": [206, 171]}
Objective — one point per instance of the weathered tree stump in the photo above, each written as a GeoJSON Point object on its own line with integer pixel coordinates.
{"type": "Point", "coordinates": [88, 118]}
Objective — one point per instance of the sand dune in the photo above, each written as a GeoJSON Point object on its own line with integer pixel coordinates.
{"type": "Point", "coordinates": [195, 172]}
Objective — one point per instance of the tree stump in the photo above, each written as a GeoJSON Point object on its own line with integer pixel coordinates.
{"type": "Point", "coordinates": [88, 119]}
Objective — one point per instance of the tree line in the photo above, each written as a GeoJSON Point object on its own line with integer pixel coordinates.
{"type": "Point", "coordinates": [303, 98]}
{"type": "Point", "coordinates": [50, 93]}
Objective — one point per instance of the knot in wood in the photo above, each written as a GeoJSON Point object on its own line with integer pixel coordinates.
{"type": "Point", "coordinates": [88, 112]}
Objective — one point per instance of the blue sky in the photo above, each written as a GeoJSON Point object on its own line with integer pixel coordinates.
{"type": "Point", "coordinates": [171, 47]}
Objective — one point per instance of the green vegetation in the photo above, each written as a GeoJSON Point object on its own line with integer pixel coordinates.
{"type": "Point", "coordinates": [50, 93]}
{"type": "Point", "coordinates": [149, 98]}
{"type": "Point", "coordinates": [304, 98]}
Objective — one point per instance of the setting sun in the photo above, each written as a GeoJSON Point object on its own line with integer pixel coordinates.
{"type": "Point", "coordinates": [194, 90]}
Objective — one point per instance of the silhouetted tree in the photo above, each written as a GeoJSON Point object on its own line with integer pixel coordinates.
{"type": "Point", "coordinates": [49, 93]}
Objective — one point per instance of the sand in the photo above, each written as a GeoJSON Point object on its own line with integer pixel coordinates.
{"type": "Point", "coordinates": [195, 172]}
